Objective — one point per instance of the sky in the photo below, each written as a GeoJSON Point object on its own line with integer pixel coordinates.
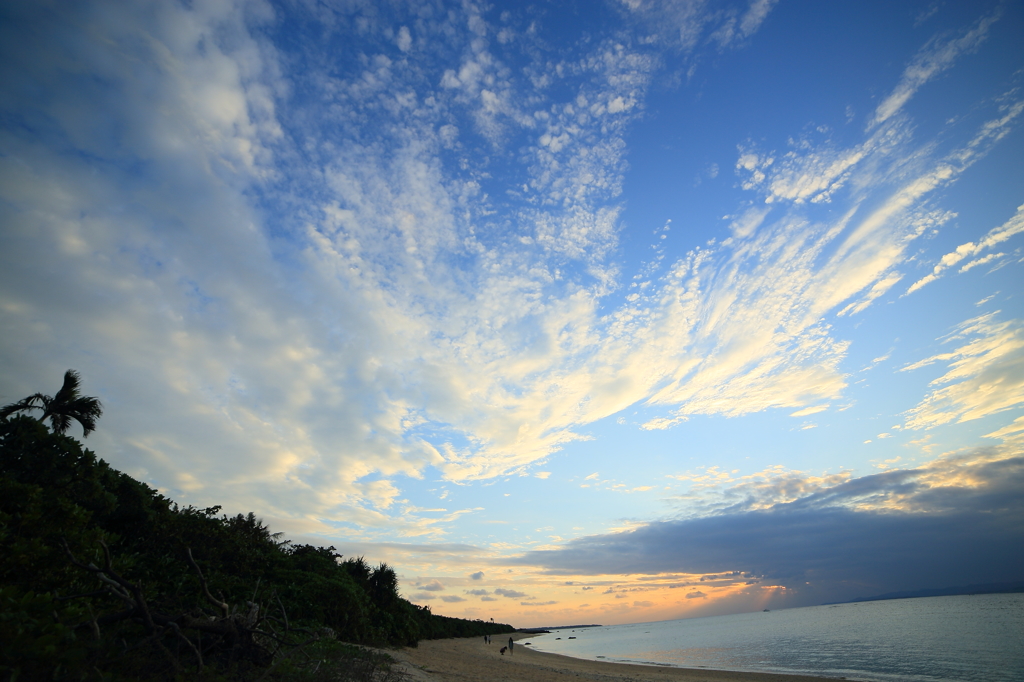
{"type": "Point", "coordinates": [572, 312]}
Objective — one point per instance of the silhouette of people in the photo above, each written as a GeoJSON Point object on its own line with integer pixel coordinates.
{"type": "Point", "coordinates": [509, 646]}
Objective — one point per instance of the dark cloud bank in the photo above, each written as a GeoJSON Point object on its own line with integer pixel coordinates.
{"type": "Point", "coordinates": [845, 542]}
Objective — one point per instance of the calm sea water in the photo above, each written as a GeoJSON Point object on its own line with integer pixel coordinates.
{"type": "Point", "coordinates": [969, 638]}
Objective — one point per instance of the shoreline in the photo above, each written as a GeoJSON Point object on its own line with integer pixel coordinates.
{"type": "Point", "coordinates": [470, 660]}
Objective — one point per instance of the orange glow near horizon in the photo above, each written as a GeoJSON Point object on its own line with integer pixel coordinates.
{"type": "Point", "coordinates": [533, 600]}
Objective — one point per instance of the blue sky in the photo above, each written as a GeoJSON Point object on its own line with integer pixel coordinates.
{"type": "Point", "coordinates": [606, 311]}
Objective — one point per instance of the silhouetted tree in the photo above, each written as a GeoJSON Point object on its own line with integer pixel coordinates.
{"type": "Point", "coordinates": [62, 407]}
{"type": "Point", "coordinates": [384, 585]}
{"type": "Point", "coordinates": [359, 570]}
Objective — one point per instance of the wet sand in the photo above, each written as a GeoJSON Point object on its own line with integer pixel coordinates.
{"type": "Point", "coordinates": [470, 660]}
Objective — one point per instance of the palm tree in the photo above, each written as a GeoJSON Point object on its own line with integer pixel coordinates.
{"type": "Point", "coordinates": [60, 409]}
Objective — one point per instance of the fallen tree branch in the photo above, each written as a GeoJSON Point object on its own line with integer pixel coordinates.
{"type": "Point", "coordinates": [206, 588]}
{"type": "Point", "coordinates": [232, 635]}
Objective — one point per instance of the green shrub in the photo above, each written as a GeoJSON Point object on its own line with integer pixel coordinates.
{"type": "Point", "coordinates": [101, 577]}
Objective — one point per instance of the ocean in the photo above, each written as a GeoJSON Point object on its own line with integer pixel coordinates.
{"type": "Point", "coordinates": [965, 638]}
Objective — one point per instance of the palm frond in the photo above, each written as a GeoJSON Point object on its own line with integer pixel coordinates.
{"type": "Point", "coordinates": [86, 411]}
{"type": "Point", "coordinates": [22, 405]}
{"type": "Point", "coordinates": [69, 391]}
{"type": "Point", "coordinates": [59, 422]}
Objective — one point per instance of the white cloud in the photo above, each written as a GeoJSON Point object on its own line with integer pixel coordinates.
{"type": "Point", "coordinates": [685, 24]}
{"type": "Point", "coordinates": [1012, 433]}
{"type": "Point", "coordinates": [404, 39]}
{"type": "Point", "coordinates": [1012, 227]}
{"type": "Point", "coordinates": [807, 411]}
{"type": "Point", "coordinates": [755, 16]}
{"type": "Point", "coordinates": [744, 225]}
{"type": "Point", "coordinates": [985, 375]}
{"type": "Point", "coordinates": [725, 304]}
{"type": "Point", "coordinates": [981, 261]}
{"type": "Point", "coordinates": [778, 486]}
{"type": "Point", "coordinates": [735, 29]}
{"type": "Point", "coordinates": [935, 57]}
{"type": "Point", "coordinates": [720, 492]}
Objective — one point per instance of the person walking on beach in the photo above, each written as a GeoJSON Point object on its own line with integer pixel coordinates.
{"type": "Point", "coordinates": [509, 646]}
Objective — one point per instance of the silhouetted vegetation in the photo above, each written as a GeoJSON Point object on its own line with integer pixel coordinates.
{"type": "Point", "coordinates": [103, 578]}
{"type": "Point", "coordinates": [66, 404]}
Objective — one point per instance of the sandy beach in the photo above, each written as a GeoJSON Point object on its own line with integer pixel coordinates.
{"type": "Point", "coordinates": [470, 660]}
